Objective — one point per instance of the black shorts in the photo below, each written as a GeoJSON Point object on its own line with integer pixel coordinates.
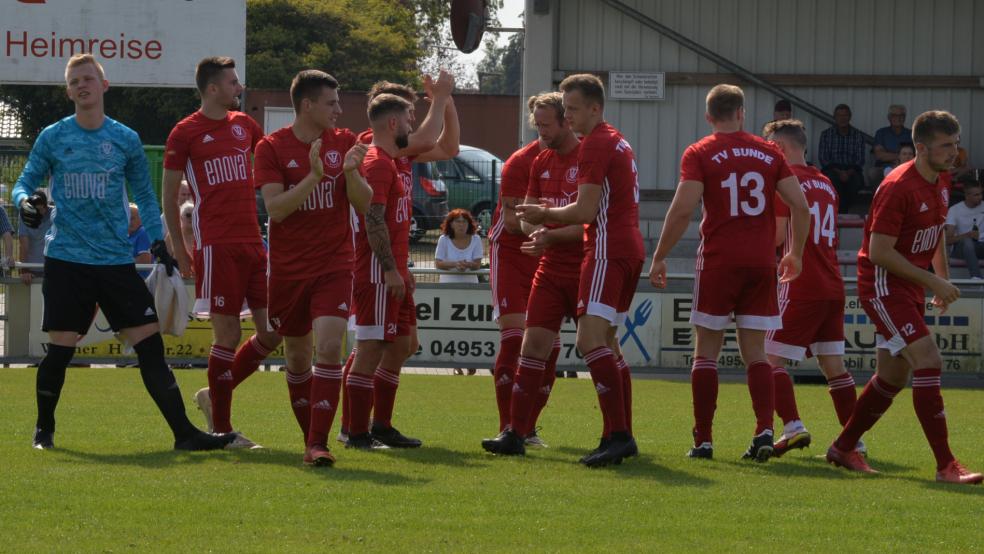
{"type": "Point", "coordinates": [73, 291]}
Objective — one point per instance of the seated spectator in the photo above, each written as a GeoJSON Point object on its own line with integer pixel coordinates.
{"type": "Point", "coordinates": [887, 143]}
{"type": "Point", "coordinates": [459, 248]}
{"type": "Point", "coordinates": [961, 167]}
{"type": "Point", "coordinates": [782, 110]}
{"type": "Point", "coordinates": [140, 241]}
{"type": "Point", "coordinates": [32, 241]}
{"type": "Point", "coordinates": [963, 228]}
{"type": "Point", "coordinates": [907, 152]}
{"type": "Point", "coordinates": [841, 156]}
{"type": "Point", "coordinates": [7, 232]}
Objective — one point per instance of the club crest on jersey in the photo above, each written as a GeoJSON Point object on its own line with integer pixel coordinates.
{"type": "Point", "coordinates": [106, 149]}
{"type": "Point", "coordinates": [239, 132]}
{"type": "Point", "coordinates": [333, 158]}
{"type": "Point", "coordinates": [571, 175]}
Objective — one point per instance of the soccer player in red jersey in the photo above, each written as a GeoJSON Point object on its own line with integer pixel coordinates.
{"type": "Point", "coordinates": [554, 294]}
{"type": "Point", "coordinates": [384, 308]}
{"type": "Point", "coordinates": [212, 149]}
{"type": "Point", "coordinates": [812, 306]}
{"type": "Point", "coordinates": [902, 237]}
{"type": "Point", "coordinates": [608, 204]}
{"type": "Point", "coordinates": [435, 139]}
{"type": "Point", "coordinates": [511, 275]}
{"type": "Point", "coordinates": [308, 173]}
{"type": "Point", "coordinates": [736, 175]}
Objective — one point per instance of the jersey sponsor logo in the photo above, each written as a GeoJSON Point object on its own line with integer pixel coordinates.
{"type": "Point", "coordinates": [333, 158]}
{"type": "Point", "coordinates": [926, 239]}
{"type": "Point", "coordinates": [292, 165]}
{"type": "Point", "coordinates": [106, 149]}
{"type": "Point", "coordinates": [226, 169]}
{"type": "Point", "coordinates": [238, 132]}
{"type": "Point", "coordinates": [322, 197]}
{"type": "Point", "coordinates": [85, 185]}
{"type": "Point", "coordinates": [569, 196]}
{"type": "Point", "coordinates": [571, 174]}
{"type": "Point", "coordinates": [207, 139]}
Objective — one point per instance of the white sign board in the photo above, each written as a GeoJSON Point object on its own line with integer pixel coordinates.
{"type": "Point", "coordinates": [636, 86]}
{"type": "Point", "coordinates": [139, 43]}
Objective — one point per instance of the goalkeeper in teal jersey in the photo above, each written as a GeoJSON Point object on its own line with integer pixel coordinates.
{"type": "Point", "coordinates": [90, 159]}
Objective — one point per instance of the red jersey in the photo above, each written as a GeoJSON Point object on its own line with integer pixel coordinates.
{"type": "Point", "coordinates": [320, 229]}
{"type": "Point", "coordinates": [515, 179]}
{"type": "Point", "coordinates": [821, 278]}
{"type": "Point", "coordinates": [404, 164]}
{"type": "Point", "coordinates": [391, 190]}
{"type": "Point", "coordinates": [739, 172]}
{"type": "Point", "coordinates": [215, 158]}
{"type": "Point", "coordinates": [913, 210]}
{"type": "Point", "coordinates": [606, 159]}
{"type": "Point", "coordinates": [554, 176]}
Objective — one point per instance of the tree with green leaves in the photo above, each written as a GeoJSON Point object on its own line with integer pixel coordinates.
{"type": "Point", "coordinates": [501, 71]}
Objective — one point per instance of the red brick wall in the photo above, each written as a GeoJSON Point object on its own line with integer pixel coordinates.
{"type": "Point", "coordinates": [488, 121]}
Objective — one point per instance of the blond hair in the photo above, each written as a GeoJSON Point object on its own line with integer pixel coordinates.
{"type": "Point", "coordinates": [82, 59]}
{"type": "Point", "coordinates": [553, 100]}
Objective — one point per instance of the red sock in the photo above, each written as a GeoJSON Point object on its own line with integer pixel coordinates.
{"type": "Point", "coordinates": [928, 402]}
{"type": "Point", "coordinates": [220, 384]}
{"type": "Point", "coordinates": [784, 395]}
{"type": "Point", "coordinates": [529, 378]}
{"type": "Point", "coordinates": [505, 371]}
{"type": "Point", "coordinates": [844, 393]}
{"type": "Point", "coordinates": [626, 374]}
{"type": "Point", "coordinates": [358, 387]}
{"type": "Point", "coordinates": [384, 383]}
{"type": "Point", "coordinates": [325, 388]}
{"type": "Point", "coordinates": [608, 384]}
{"type": "Point", "coordinates": [874, 401]}
{"type": "Point", "coordinates": [299, 388]}
{"type": "Point", "coordinates": [762, 391]}
{"type": "Point", "coordinates": [546, 385]}
{"type": "Point", "coordinates": [345, 399]}
{"type": "Point", "coordinates": [248, 359]}
{"type": "Point", "coordinates": [704, 387]}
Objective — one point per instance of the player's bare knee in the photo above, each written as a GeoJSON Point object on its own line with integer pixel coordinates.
{"type": "Point", "coordinates": [537, 343]}
{"type": "Point", "coordinates": [831, 366]}
{"type": "Point", "coordinates": [329, 351]}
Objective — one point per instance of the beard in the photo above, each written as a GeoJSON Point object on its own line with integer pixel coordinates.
{"type": "Point", "coordinates": [402, 140]}
{"type": "Point", "coordinates": [234, 103]}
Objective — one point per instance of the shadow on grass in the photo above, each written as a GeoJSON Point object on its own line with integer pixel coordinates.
{"type": "Point", "coordinates": [265, 456]}
{"type": "Point", "coordinates": [437, 455]}
{"type": "Point", "coordinates": [641, 467]}
{"type": "Point", "coordinates": [815, 466]}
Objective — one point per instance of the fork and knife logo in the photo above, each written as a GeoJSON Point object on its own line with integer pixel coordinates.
{"type": "Point", "coordinates": [638, 319]}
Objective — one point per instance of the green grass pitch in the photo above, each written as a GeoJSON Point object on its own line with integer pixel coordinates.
{"type": "Point", "coordinates": [114, 485]}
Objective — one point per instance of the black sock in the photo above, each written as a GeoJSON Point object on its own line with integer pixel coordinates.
{"type": "Point", "coordinates": [162, 386]}
{"type": "Point", "coordinates": [51, 377]}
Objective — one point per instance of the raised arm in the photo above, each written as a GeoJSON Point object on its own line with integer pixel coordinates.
{"type": "Point", "coordinates": [281, 202]}
{"type": "Point", "coordinates": [449, 142]}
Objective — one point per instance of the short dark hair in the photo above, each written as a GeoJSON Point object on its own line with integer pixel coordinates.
{"type": "Point", "coordinates": [210, 68]}
{"type": "Point", "coordinates": [969, 182]}
{"type": "Point", "coordinates": [308, 84]}
{"type": "Point", "coordinates": [553, 100]}
{"type": "Point", "coordinates": [724, 101]}
{"type": "Point", "coordinates": [907, 145]}
{"type": "Point", "coordinates": [789, 128]}
{"type": "Point", "coordinates": [840, 107]}
{"type": "Point", "coordinates": [454, 214]}
{"type": "Point", "coordinates": [928, 124]}
{"type": "Point", "coordinates": [384, 105]}
{"type": "Point", "coordinates": [783, 105]}
{"type": "Point", "coordinates": [405, 92]}
{"type": "Point", "coordinates": [590, 87]}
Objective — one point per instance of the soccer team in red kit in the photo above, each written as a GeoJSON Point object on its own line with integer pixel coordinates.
{"type": "Point", "coordinates": [565, 243]}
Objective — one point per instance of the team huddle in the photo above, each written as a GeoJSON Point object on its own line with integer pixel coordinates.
{"type": "Point", "coordinates": [565, 243]}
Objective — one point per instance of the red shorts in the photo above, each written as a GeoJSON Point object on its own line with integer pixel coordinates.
{"type": "Point", "coordinates": [511, 276]}
{"type": "Point", "coordinates": [899, 322]}
{"type": "Point", "coordinates": [809, 328]}
{"type": "Point", "coordinates": [607, 287]}
{"type": "Point", "coordinates": [749, 293]}
{"type": "Point", "coordinates": [295, 303]}
{"type": "Point", "coordinates": [379, 317]}
{"type": "Point", "coordinates": [552, 299]}
{"type": "Point", "coordinates": [229, 277]}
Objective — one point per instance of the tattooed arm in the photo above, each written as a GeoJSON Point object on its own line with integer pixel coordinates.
{"type": "Point", "coordinates": [379, 241]}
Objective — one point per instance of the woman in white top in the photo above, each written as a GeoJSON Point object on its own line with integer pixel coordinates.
{"type": "Point", "coordinates": [459, 248]}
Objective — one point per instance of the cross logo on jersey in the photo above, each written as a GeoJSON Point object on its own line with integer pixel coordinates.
{"type": "Point", "coordinates": [333, 158]}
{"type": "Point", "coordinates": [239, 132]}
{"type": "Point", "coordinates": [571, 174]}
